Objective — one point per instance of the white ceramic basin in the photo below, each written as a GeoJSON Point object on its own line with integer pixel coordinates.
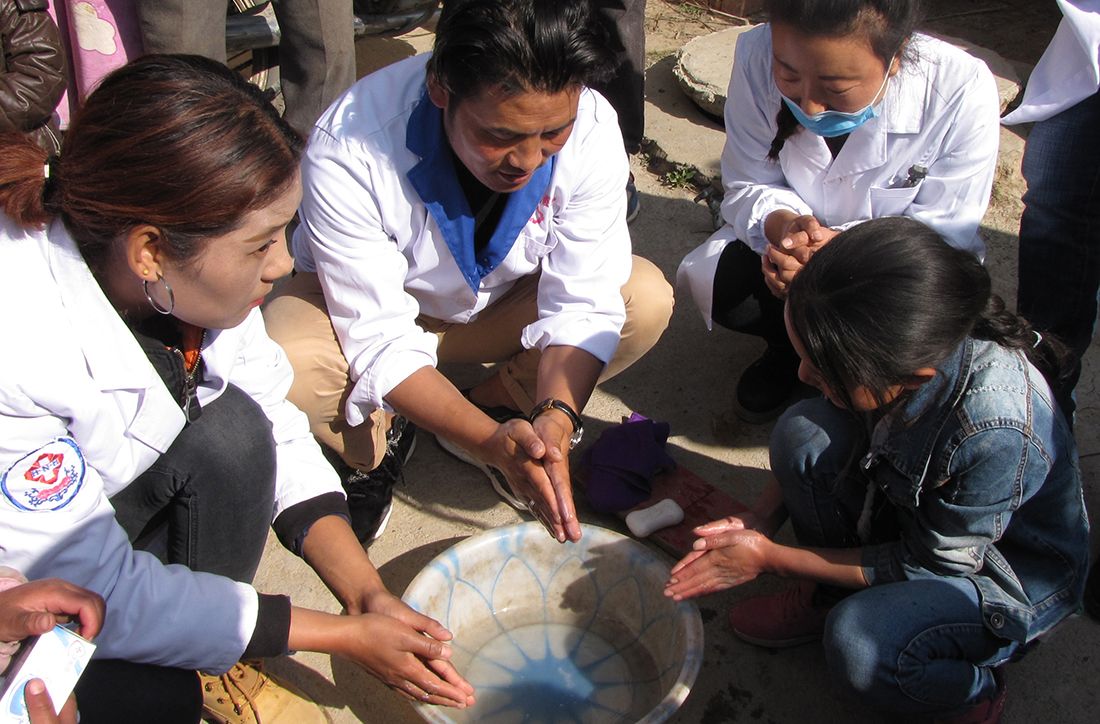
{"type": "Point", "coordinates": [550, 632]}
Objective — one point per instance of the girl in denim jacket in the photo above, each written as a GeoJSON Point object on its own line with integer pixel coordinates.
{"type": "Point", "coordinates": [935, 479]}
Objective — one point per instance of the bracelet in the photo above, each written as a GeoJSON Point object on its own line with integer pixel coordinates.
{"type": "Point", "coordinates": [551, 403]}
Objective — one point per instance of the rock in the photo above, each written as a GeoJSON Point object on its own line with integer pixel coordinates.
{"type": "Point", "coordinates": [703, 68]}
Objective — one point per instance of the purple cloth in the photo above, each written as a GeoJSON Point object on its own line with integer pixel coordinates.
{"type": "Point", "coordinates": [621, 464]}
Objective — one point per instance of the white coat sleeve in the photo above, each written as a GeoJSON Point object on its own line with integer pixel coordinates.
{"type": "Point", "coordinates": [754, 185]}
{"type": "Point", "coordinates": [362, 272]}
{"type": "Point", "coordinates": [56, 522]}
{"type": "Point", "coordinates": [263, 372]}
{"type": "Point", "coordinates": [580, 302]}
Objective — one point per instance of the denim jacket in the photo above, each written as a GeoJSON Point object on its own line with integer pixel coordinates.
{"type": "Point", "coordinates": [982, 471]}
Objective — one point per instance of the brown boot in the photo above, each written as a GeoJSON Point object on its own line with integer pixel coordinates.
{"type": "Point", "coordinates": [247, 695]}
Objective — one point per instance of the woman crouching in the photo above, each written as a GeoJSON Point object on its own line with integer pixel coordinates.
{"type": "Point", "coordinates": [936, 479]}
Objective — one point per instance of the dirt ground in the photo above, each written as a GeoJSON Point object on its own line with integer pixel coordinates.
{"type": "Point", "coordinates": [688, 380]}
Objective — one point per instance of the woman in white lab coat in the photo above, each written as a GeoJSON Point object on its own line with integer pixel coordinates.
{"type": "Point", "coordinates": [836, 113]}
{"type": "Point", "coordinates": [146, 445]}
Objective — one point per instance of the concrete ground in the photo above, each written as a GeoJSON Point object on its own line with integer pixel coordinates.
{"type": "Point", "coordinates": [687, 380]}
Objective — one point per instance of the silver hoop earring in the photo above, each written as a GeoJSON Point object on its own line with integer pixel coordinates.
{"type": "Point", "coordinates": [167, 288]}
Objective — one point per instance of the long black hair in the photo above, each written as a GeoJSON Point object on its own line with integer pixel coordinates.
{"type": "Point", "coordinates": [887, 25]}
{"type": "Point", "coordinates": [520, 45]}
{"type": "Point", "coordinates": [889, 296]}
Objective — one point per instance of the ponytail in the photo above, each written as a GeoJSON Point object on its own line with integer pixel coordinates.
{"type": "Point", "coordinates": [24, 184]}
{"type": "Point", "coordinates": [1008, 329]}
{"type": "Point", "coordinates": [788, 125]}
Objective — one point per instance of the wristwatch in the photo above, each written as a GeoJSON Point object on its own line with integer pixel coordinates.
{"type": "Point", "coordinates": [553, 404]}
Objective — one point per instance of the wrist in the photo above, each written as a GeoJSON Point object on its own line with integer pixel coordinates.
{"type": "Point", "coordinates": [554, 406]}
{"type": "Point", "coordinates": [767, 558]}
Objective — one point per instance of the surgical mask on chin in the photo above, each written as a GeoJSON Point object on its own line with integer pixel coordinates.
{"type": "Point", "coordinates": [831, 124]}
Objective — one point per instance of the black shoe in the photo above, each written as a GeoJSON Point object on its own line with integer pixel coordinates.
{"type": "Point", "coordinates": [498, 413]}
{"type": "Point", "coordinates": [766, 385]}
{"type": "Point", "coordinates": [633, 201]}
{"type": "Point", "coordinates": [370, 493]}
{"type": "Point", "coordinates": [1092, 592]}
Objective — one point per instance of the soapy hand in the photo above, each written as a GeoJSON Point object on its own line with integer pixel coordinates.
{"type": "Point", "coordinates": [720, 560]}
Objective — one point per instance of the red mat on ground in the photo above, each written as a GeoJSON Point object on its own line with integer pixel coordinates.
{"type": "Point", "coordinates": [701, 501]}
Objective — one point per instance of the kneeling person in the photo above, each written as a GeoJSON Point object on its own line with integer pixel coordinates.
{"type": "Point", "coordinates": [468, 206]}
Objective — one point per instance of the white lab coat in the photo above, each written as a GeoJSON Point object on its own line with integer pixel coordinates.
{"type": "Point", "coordinates": [75, 382]}
{"type": "Point", "coordinates": [1069, 70]}
{"type": "Point", "coordinates": [383, 260]}
{"type": "Point", "coordinates": [940, 111]}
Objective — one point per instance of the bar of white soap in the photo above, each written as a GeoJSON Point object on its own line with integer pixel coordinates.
{"type": "Point", "coordinates": [647, 520]}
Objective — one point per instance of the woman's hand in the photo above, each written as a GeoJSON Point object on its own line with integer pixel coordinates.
{"type": "Point", "coordinates": [720, 560]}
{"type": "Point", "coordinates": [34, 608]}
{"type": "Point", "coordinates": [803, 235]}
{"type": "Point", "coordinates": [385, 603]}
{"type": "Point", "coordinates": [401, 654]}
{"type": "Point", "coordinates": [792, 240]}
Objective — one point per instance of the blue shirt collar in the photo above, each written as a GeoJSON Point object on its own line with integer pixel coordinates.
{"type": "Point", "coordinates": [436, 182]}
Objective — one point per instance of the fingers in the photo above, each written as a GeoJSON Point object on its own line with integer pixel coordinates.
{"type": "Point", "coordinates": [431, 692]}
{"type": "Point", "coordinates": [526, 439]}
{"type": "Point", "coordinates": [701, 586]}
{"type": "Point", "coordinates": [38, 622]}
{"type": "Point", "coordinates": [39, 707]}
{"type": "Point", "coordinates": [428, 676]}
{"type": "Point", "coordinates": [34, 608]}
{"type": "Point", "coordinates": [686, 561]}
{"type": "Point", "coordinates": [725, 539]}
{"type": "Point", "coordinates": [447, 671]}
{"type": "Point", "coordinates": [557, 471]}
{"type": "Point", "coordinates": [424, 624]}
{"type": "Point", "coordinates": [732, 522]}
{"type": "Point", "coordinates": [793, 241]}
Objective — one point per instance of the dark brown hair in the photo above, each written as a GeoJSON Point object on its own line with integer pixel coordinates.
{"type": "Point", "coordinates": [890, 296]}
{"type": "Point", "coordinates": [176, 141]}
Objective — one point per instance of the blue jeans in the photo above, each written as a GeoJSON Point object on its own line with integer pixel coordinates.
{"type": "Point", "coordinates": [917, 646]}
{"type": "Point", "coordinates": [1059, 254]}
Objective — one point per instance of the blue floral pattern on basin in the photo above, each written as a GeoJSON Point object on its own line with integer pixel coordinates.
{"type": "Point", "coordinates": [549, 632]}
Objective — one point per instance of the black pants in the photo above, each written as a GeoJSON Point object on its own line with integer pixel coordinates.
{"type": "Point", "coordinates": [625, 20]}
{"type": "Point", "coordinates": [742, 301]}
{"type": "Point", "coordinates": [206, 504]}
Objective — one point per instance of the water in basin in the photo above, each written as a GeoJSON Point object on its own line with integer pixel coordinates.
{"type": "Point", "coordinates": [554, 672]}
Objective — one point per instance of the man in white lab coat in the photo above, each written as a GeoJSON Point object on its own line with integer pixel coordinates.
{"type": "Point", "coordinates": [469, 207]}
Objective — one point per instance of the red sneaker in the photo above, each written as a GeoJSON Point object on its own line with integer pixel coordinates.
{"type": "Point", "coordinates": [986, 711]}
{"type": "Point", "coordinates": [790, 618]}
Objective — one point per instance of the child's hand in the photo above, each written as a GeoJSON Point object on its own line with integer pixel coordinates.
{"type": "Point", "coordinates": [719, 561]}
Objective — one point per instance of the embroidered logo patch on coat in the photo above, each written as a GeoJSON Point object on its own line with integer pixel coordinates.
{"type": "Point", "coordinates": [46, 479]}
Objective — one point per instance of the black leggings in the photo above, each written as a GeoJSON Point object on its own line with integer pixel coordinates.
{"type": "Point", "coordinates": [206, 503]}
{"type": "Point", "coordinates": [742, 301]}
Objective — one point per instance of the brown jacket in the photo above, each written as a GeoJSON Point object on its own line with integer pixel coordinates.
{"type": "Point", "coordinates": [32, 71]}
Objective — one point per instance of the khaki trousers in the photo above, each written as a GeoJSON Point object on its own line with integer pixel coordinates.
{"type": "Point", "coordinates": [297, 319]}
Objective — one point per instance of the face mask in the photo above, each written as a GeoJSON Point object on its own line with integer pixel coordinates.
{"type": "Point", "coordinates": [831, 124]}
